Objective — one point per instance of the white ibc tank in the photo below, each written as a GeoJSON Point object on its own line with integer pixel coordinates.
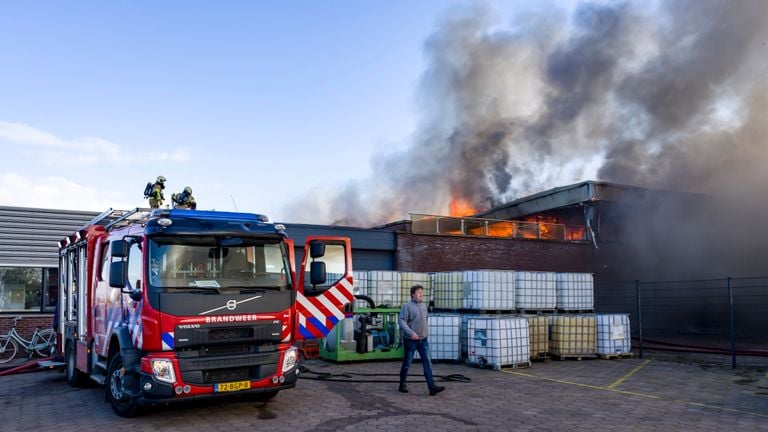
{"type": "Point", "coordinates": [536, 290]}
{"type": "Point", "coordinates": [384, 288]}
{"type": "Point", "coordinates": [613, 334]}
{"type": "Point", "coordinates": [488, 290]}
{"type": "Point", "coordinates": [498, 342]}
{"type": "Point", "coordinates": [575, 291]}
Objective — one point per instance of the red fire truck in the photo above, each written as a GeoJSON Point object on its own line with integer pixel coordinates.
{"type": "Point", "coordinates": [171, 305]}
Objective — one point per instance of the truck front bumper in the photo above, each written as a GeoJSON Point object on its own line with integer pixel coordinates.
{"type": "Point", "coordinates": [157, 392]}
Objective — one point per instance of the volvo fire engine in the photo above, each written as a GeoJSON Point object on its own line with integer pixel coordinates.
{"type": "Point", "coordinates": [171, 305]}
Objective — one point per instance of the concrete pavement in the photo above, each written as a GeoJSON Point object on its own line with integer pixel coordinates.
{"type": "Point", "coordinates": [626, 394]}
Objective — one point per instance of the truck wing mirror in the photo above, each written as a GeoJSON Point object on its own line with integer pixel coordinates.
{"type": "Point", "coordinates": [118, 271]}
{"type": "Point", "coordinates": [317, 272]}
{"type": "Point", "coordinates": [316, 249]}
{"type": "Point", "coordinates": [119, 249]}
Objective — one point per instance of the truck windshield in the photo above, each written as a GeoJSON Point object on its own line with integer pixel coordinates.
{"type": "Point", "coordinates": [218, 263]}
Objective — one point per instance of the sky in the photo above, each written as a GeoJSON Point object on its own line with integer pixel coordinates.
{"type": "Point", "coordinates": [361, 113]}
{"type": "Point", "coordinates": [251, 104]}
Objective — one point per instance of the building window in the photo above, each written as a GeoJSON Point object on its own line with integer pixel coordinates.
{"type": "Point", "coordinates": [28, 289]}
{"type": "Point", "coordinates": [50, 289]}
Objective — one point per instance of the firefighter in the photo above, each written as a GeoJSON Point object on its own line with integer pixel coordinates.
{"type": "Point", "coordinates": [156, 196]}
{"type": "Point", "coordinates": [184, 200]}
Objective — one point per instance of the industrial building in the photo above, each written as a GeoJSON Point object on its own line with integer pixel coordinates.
{"type": "Point", "coordinates": [590, 227]}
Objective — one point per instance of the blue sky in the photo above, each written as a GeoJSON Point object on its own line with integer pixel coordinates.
{"type": "Point", "coordinates": [256, 100]}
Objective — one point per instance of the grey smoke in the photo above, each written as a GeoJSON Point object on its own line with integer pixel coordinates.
{"type": "Point", "coordinates": [671, 97]}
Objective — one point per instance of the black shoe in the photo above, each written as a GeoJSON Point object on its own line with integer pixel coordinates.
{"type": "Point", "coordinates": [435, 390]}
{"type": "Point", "coordinates": [403, 388]}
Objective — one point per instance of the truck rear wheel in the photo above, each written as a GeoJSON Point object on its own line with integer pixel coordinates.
{"type": "Point", "coordinates": [74, 376]}
{"type": "Point", "coordinates": [122, 404]}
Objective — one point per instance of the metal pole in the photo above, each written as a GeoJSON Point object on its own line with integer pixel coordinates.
{"type": "Point", "coordinates": [639, 318]}
{"type": "Point", "coordinates": [731, 324]}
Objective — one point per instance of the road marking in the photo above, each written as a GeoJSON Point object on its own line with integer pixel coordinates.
{"type": "Point", "coordinates": [645, 395]}
{"type": "Point", "coordinates": [510, 371]}
{"type": "Point", "coordinates": [624, 378]}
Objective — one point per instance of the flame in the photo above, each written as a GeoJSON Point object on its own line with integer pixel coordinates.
{"type": "Point", "coordinates": [460, 207]}
{"type": "Point", "coordinates": [502, 229]}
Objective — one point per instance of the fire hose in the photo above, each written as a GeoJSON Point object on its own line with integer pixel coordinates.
{"type": "Point", "coordinates": [349, 377]}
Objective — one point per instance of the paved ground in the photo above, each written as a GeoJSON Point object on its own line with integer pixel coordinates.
{"type": "Point", "coordinates": [626, 394]}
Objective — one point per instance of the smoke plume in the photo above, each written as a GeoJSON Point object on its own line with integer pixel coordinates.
{"type": "Point", "coordinates": [671, 97]}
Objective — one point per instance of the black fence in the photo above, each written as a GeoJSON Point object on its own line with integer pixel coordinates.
{"type": "Point", "coordinates": [714, 321]}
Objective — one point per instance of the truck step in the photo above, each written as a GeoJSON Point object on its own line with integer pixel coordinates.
{"type": "Point", "coordinates": [99, 378]}
{"type": "Point", "coordinates": [101, 364]}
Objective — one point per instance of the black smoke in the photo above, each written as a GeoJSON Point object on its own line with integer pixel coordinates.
{"type": "Point", "coordinates": [669, 95]}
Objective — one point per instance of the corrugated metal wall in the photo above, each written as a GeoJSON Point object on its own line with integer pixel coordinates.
{"type": "Point", "coordinates": [29, 236]}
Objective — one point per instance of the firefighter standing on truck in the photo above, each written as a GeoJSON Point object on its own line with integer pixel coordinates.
{"type": "Point", "coordinates": [184, 200]}
{"type": "Point", "coordinates": [156, 196]}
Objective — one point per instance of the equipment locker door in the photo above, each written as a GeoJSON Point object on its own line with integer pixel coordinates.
{"type": "Point", "coordinates": [320, 306]}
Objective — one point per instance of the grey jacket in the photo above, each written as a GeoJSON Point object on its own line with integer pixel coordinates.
{"type": "Point", "coordinates": [413, 319]}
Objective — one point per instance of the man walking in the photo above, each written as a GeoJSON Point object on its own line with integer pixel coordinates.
{"type": "Point", "coordinates": [414, 329]}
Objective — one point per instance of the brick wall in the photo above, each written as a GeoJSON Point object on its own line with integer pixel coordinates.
{"type": "Point", "coordinates": [27, 325]}
{"type": "Point", "coordinates": [429, 253]}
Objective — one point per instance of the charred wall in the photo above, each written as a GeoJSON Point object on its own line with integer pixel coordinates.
{"type": "Point", "coordinates": [431, 253]}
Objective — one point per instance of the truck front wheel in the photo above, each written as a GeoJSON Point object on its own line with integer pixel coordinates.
{"type": "Point", "coordinates": [122, 404]}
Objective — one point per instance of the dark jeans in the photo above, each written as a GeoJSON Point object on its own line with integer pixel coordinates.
{"type": "Point", "coordinates": [422, 346]}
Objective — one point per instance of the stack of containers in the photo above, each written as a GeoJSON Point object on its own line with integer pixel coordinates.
{"type": "Point", "coordinates": [448, 290]}
{"type": "Point", "coordinates": [538, 332]}
{"type": "Point", "coordinates": [488, 290]}
{"type": "Point", "coordinates": [444, 340]}
{"type": "Point", "coordinates": [384, 288]}
{"type": "Point", "coordinates": [498, 342]}
{"type": "Point", "coordinates": [575, 291]}
{"type": "Point", "coordinates": [613, 334]}
{"type": "Point", "coordinates": [572, 335]}
{"type": "Point", "coordinates": [409, 279]}
{"type": "Point", "coordinates": [536, 290]}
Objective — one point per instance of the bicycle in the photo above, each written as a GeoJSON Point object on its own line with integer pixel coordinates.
{"type": "Point", "coordinates": [42, 343]}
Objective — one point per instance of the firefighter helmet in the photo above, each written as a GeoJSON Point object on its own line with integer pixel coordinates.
{"type": "Point", "coordinates": [188, 190]}
{"type": "Point", "coordinates": [160, 179]}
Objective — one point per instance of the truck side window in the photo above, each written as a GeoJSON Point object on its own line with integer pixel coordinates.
{"type": "Point", "coordinates": [104, 263]}
{"type": "Point", "coordinates": [135, 266]}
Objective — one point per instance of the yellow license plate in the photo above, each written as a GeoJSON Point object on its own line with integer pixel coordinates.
{"type": "Point", "coordinates": [232, 386]}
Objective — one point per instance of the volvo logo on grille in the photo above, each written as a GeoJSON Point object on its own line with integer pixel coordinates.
{"type": "Point", "coordinates": [230, 305]}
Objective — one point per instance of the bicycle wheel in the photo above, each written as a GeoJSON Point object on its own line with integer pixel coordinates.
{"type": "Point", "coordinates": [8, 349]}
{"type": "Point", "coordinates": [45, 344]}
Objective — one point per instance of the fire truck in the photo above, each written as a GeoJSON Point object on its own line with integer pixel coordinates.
{"type": "Point", "coordinates": [172, 305]}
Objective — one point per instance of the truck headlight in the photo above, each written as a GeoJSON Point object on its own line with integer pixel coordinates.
{"type": "Point", "coordinates": [163, 370]}
{"type": "Point", "coordinates": [290, 359]}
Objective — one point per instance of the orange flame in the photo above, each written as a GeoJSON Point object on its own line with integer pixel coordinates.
{"type": "Point", "coordinates": [460, 207]}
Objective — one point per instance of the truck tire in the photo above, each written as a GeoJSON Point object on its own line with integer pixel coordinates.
{"type": "Point", "coordinates": [74, 376]}
{"type": "Point", "coordinates": [122, 404]}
